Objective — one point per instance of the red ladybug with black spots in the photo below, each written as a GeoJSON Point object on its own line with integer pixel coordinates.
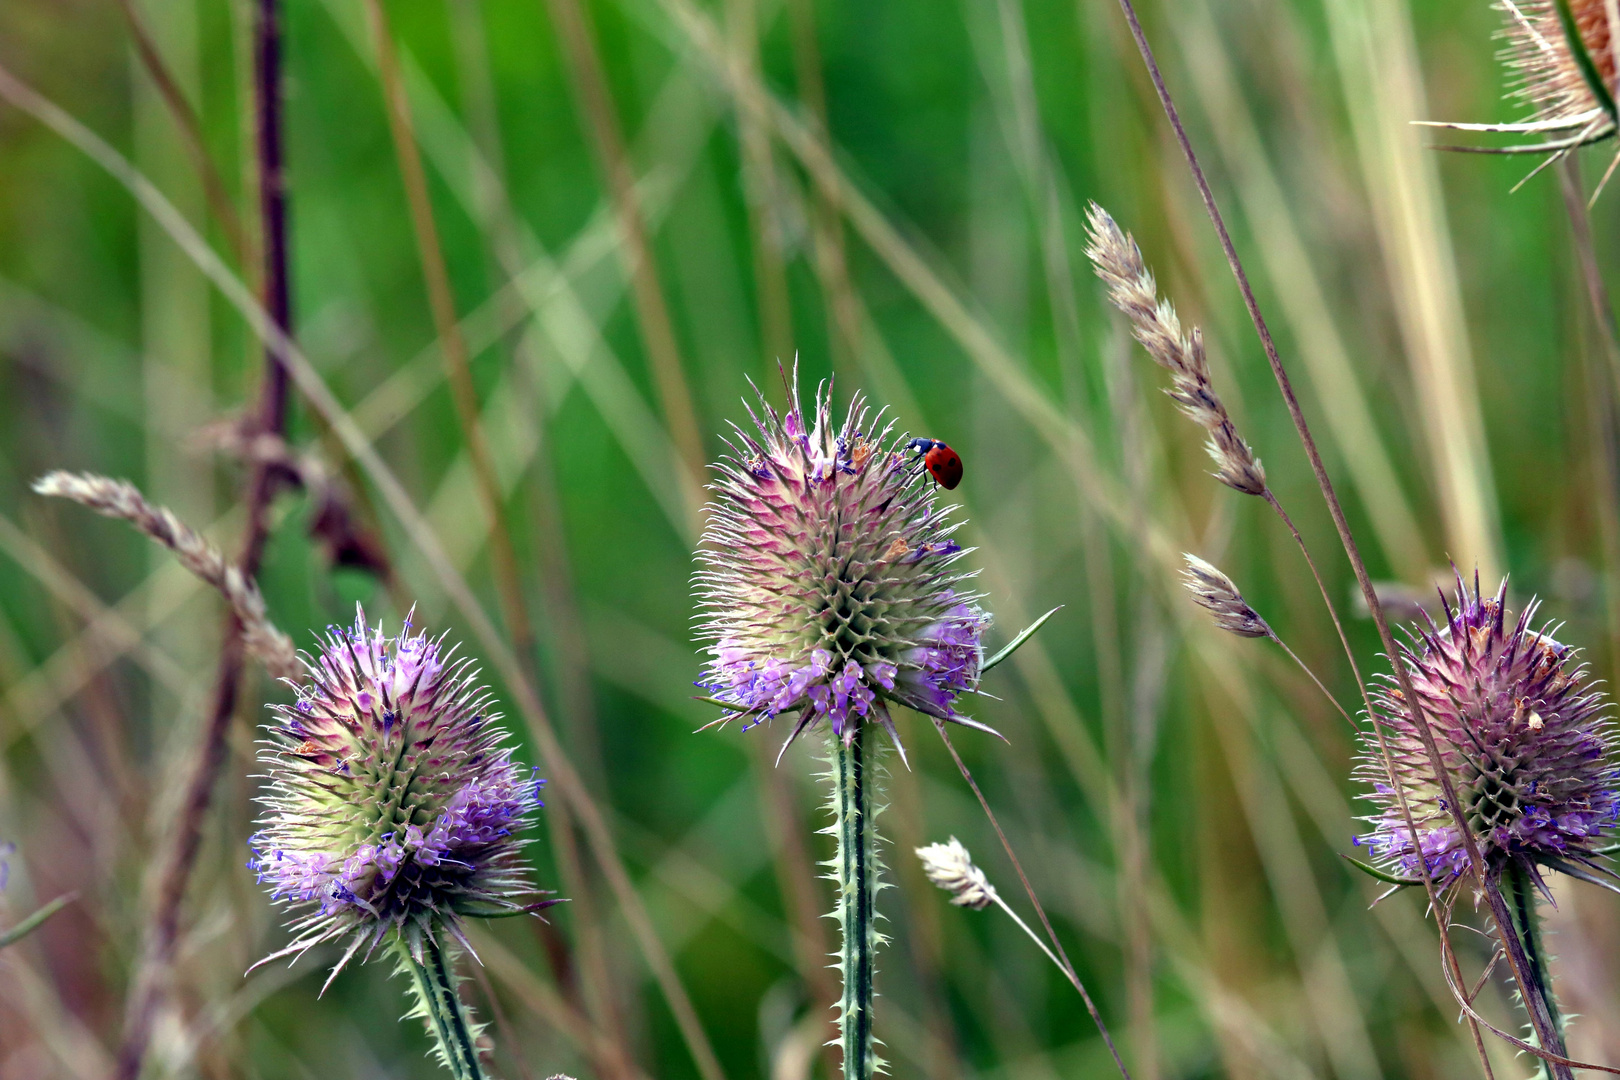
{"type": "Point", "coordinates": [942, 463]}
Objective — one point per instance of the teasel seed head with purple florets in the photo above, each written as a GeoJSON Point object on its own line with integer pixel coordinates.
{"type": "Point", "coordinates": [1524, 734]}
{"type": "Point", "coordinates": [830, 585]}
{"type": "Point", "coordinates": [392, 805]}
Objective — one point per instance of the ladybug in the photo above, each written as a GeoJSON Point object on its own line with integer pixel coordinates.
{"type": "Point", "coordinates": [942, 463]}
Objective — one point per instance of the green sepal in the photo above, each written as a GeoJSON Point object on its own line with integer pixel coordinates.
{"type": "Point", "coordinates": [1016, 643]}
{"type": "Point", "coordinates": [1373, 872]}
{"type": "Point", "coordinates": [36, 920]}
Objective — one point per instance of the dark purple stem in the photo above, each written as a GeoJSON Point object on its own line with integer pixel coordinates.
{"type": "Point", "coordinates": [151, 978]}
{"type": "Point", "coordinates": [1547, 1037]}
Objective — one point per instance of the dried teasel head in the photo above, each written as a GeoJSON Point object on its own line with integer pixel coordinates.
{"type": "Point", "coordinates": [1561, 55]}
{"type": "Point", "coordinates": [1561, 60]}
{"type": "Point", "coordinates": [1154, 323]}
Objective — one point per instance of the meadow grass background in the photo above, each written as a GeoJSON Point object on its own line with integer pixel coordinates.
{"type": "Point", "coordinates": [1179, 797]}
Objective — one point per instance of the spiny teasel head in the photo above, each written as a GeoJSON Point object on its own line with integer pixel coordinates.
{"type": "Point", "coordinates": [392, 805]}
{"type": "Point", "coordinates": [830, 584]}
{"type": "Point", "coordinates": [1154, 323]}
{"type": "Point", "coordinates": [1214, 592]}
{"type": "Point", "coordinates": [1524, 736]}
{"type": "Point", "coordinates": [950, 867]}
{"type": "Point", "coordinates": [1562, 65]}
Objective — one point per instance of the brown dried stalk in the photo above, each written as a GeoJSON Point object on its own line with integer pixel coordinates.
{"type": "Point", "coordinates": [122, 499]}
{"type": "Point", "coordinates": [1544, 1031]}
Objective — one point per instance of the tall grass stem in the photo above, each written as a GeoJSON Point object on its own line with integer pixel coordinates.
{"type": "Point", "coordinates": [1029, 890]}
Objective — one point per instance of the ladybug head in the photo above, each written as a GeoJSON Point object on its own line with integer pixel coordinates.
{"type": "Point", "coordinates": [922, 446]}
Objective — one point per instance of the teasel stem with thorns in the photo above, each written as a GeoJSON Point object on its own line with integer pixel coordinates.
{"type": "Point", "coordinates": [832, 594]}
{"type": "Point", "coordinates": [1450, 962]}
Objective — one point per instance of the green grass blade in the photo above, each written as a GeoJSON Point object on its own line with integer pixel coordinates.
{"type": "Point", "coordinates": [36, 920]}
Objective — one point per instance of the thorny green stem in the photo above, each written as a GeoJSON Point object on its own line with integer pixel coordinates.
{"type": "Point", "coordinates": [1528, 922]}
{"type": "Point", "coordinates": [1342, 525]}
{"type": "Point", "coordinates": [441, 1007]}
{"type": "Point", "coordinates": [855, 872]}
{"type": "Point", "coordinates": [1062, 958]}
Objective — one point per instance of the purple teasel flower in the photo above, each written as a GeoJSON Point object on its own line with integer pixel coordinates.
{"type": "Point", "coordinates": [829, 585]}
{"type": "Point", "coordinates": [392, 805]}
{"type": "Point", "coordinates": [1522, 731]}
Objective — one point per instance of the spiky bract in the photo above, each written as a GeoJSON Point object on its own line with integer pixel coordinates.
{"type": "Point", "coordinates": [1523, 734]}
{"type": "Point", "coordinates": [392, 805]}
{"type": "Point", "coordinates": [830, 585]}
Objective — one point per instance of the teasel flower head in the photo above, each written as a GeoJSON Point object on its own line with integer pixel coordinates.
{"type": "Point", "coordinates": [1214, 592]}
{"type": "Point", "coordinates": [950, 867]}
{"type": "Point", "coordinates": [392, 805]}
{"type": "Point", "coordinates": [1154, 323]}
{"type": "Point", "coordinates": [1522, 731]}
{"type": "Point", "coordinates": [831, 584]}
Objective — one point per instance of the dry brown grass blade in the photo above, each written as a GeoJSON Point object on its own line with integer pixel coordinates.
{"type": "Point", "coordinates": [320, 397]}
{"type": "Point", "coordinates": [549, 1006]}
{"type": "Point", "coordinates": [185, 118]}
{"type": "Point", "coordinates": [509, 581]}
{"type": "Point", "coordinates": [1344, 407]}
{"type": "Point", "coordinates": [1383, 89]}
{"type": "Point", "coordinates": [595, 102]}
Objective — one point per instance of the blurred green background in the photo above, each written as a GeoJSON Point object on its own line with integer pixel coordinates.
{"type": "Point", "coordinates": [904, 209]}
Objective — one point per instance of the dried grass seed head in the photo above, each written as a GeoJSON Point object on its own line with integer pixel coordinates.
{"type": "Point", "coordinates": [123, 500]}
{"type": "Point", "coordinates": [1215, 592]}
{"type": "Point", "coordinates": [1154, 323]}
{"type": "Point", "coordinates": [831, 582]}
{"type": "Point", "coordinates": [1523, 732]}
{"type": "Point", "coordinates": [950, 867]}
